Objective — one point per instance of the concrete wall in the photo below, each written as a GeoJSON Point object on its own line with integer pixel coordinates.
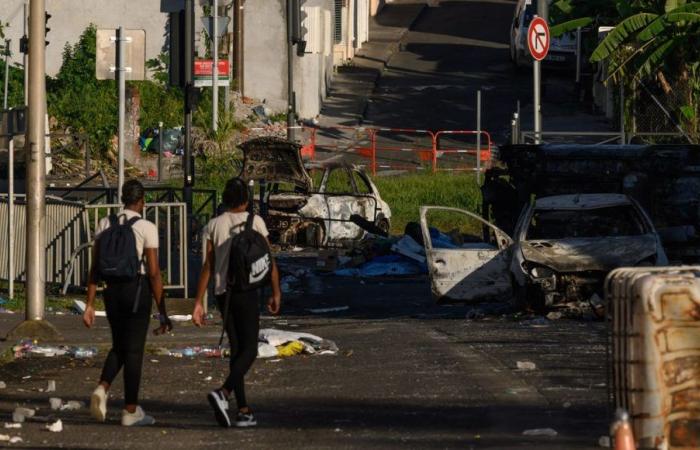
{"type": "Point", "coordinates": [265, 54]}
{"type": "Point", "coordinates": [71, 17]}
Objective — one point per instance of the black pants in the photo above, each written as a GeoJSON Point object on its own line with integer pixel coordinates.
{"type": "Point", "coordinates": [242, 328]}
{"type": "Point", "coordinates": [129, 331]}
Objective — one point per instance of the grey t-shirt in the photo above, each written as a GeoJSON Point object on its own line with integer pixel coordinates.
{"type": "Point", "coordinates": [219, 231]}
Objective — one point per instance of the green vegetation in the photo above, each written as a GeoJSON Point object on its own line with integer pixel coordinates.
{"type": "Point", "coordinates": [405, 194]}
{"type": "Point", "coordinates": [53, 301]}
{"type": "Point", "coordinates": [653, 41]}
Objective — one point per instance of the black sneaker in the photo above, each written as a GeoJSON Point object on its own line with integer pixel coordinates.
{"type": "Point", "coordinates": [219, 404]}
{"type": "Point", "coordinates": [244, 420]}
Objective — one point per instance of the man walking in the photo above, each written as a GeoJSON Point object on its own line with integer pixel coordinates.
{"type": "Point", "coordinates": [125, 256]}
{"type": "Point", "coordinates": [239, 306]}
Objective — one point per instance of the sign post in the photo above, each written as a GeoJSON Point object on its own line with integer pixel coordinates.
{"type": "Point", "coordinates": [121, 62]}
{"type": "Point", "coordinates": [538, 41]}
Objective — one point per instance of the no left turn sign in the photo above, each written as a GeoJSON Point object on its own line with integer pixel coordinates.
{"type": "Point", "coordinates": [538, 38]}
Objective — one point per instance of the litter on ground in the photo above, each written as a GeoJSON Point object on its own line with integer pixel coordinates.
{"type": "Point", "coordinates": [27, 348]}
{"type": "Point", "coordinates": [72, 405]}
{"type": "Point", "coordinates": [328, 310]}
{"type": "Point", "coordinates": [526, 365]}
{"type": "Point", "coordinates": [55, 403]}
{"type": "Point", "coordinates": [80, 306]}
{"type": "Point", "coordinates": [13, 425]}
{"type": "Point", "coordinates": [2, 385]}
{"type": "Point", "coordinates": [540, 432]}
{"type": "Point", "coordinates": [55, 427]}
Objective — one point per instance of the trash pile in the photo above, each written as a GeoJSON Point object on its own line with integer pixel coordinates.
{"type": "Point", "coordinates": [386, 257]}
{"type": "Point", "coordinates": [272, 343]}
{"type": "Point", "coordinates": [28, 348]}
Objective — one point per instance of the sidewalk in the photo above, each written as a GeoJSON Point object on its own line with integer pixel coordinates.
{"type": "Point", "coordinates": [354, 83]}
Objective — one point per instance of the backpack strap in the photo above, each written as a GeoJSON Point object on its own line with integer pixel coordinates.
{"type": "Point", "coordinates": [132, 221]}
{"type": "Point", "coordinates": [113, 220]}
{"type": "Point", "coordinates": [249, 222]}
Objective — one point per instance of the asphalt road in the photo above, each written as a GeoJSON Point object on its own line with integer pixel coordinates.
{"type": "Point", "coordinates": [409, 374]}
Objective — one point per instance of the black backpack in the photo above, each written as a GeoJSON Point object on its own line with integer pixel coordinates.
{"type": "Point", "coordinates": [250, 260]}
{"type": "Point", "coordinates": [119, 260]}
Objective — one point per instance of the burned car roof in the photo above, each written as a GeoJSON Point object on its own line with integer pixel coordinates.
{"type": "Point", "coordinates": [272, 160]}
{"type": "Point", "coordinates": [581, 201]}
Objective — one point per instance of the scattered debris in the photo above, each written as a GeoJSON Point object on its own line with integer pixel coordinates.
{"type": "Point", "coordinates": [290, 348]}
{"type": "Point", "coordinates": [72, 405]}
{"type": "Point", "coordinates": [51, 386]}
{"type": "Point", "coordinates": [604, 442]}
{"type": "Point", "coordinates": [4, 438]}
{"type": "Point", "coordinates": [266, 350]}
{"type": "Point", "coordinates": [19, 414]}
{"type": "Point", "coordinates": [80, 306]}
{"type": "Point", "coordinates": [540, 432]}
{"type": "Point", "coordinates": [537, 322]}
{"type": "Point", "coordinates": [13, 425]}
{"type": "Point", "coordinates": [554, 315]}
{"type": "Point", "coordinates": [55, 427]}
{"type": "Point", "coordinates": [328, 310]}
{"type": "Point", "coordinates": [181, 317]}
{"type": "Point", "coordinates": [209, 378]}
{"type": "Point", "coordinates": [388, 265]}
{"type": "Point", "coordinates": [526, 365]}
{"type": "Point", "coordinates": [55, 403]}
{"type": "Point", "coordinates": [16, 440]}
{"type": "Point", "coordinates": [2, 385]}
{"type": "Point", "coordinates": [27, 348]}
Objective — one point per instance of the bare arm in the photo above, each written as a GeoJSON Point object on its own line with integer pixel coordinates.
{"type": "Point", "coordinates": [203, 284]}
{"type": "Point", "coordinates": [154, 277]}
{"type": "Point", "coordinates": [89, 314]}
{"type": "Point", "coordinates": [275, 301]}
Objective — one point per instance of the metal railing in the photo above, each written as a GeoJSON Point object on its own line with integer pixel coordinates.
{"type": "Point", "coordinates": [171, 221]}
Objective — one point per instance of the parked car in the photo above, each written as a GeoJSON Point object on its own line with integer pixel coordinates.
{"type": "Point", "coordinates": [562, 49]}
{"type": "Point", "coordinates": [338, 203]}
{"type": "Point", "coordinates": [561, 250]}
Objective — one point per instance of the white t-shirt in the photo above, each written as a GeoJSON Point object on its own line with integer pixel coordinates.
{"type": "Point", "coordinates": [219, 231]}
{"type": "Point", "coordinates": [145, 232]}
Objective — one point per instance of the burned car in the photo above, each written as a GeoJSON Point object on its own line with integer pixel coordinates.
{"type": "Point", "coordinates": [315, 205]}
{"type": "Point", "coordinates": [561, 250]}
{"type": "Point", "coordinates": [567, 244]}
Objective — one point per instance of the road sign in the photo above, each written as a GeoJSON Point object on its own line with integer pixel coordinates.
{"type": "Point", "coordinates": [538, 38]}
{"type": "Point", "coordinates": [134, 54]}
{"type": "Point", "coordinates": [203, 69]}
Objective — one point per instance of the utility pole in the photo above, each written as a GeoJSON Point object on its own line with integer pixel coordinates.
{"type": "Point", "coordinates": [291, 101]}
{"type": "Point", "coordinates": [34, 324]}
{"type": "Point", "coordinates": [189, 99]}
{"type": "Point", "coordinates": [24, 59]}
{"type": "Point", "coordinates": [215, 68]}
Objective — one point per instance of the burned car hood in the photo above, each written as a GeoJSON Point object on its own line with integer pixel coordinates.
{"type": "Point", "coordinates": [274, 160]}
{"type": "Point", "coordinates": [581, 254]}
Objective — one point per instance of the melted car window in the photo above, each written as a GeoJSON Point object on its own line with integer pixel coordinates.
{"type": "Point", "coordinates": [589, 223]}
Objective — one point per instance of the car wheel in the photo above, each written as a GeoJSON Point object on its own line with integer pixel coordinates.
{"type": "Point", "coordinates": [527, 298]}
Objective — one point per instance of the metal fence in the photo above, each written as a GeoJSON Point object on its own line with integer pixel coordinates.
{"type": "Point", "coordinates": [66, 228]}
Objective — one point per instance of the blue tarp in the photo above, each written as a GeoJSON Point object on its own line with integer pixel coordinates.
{"type": "Point", "coordinates": [390, 265]}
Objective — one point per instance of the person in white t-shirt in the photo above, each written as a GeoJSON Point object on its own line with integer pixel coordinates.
{"type": "Point", "coordinates": [128, 305]}
{"type": "Point", "coordinates": [243, 321]}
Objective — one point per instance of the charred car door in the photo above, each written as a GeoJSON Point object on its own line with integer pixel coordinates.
{"type": "Point", "coordinates": [470, 271]}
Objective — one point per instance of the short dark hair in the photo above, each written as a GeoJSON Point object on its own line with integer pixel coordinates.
{"type": "Point", "coordinates": [132, 192]}
{"type": "Point", "coordinates": [235, 193]}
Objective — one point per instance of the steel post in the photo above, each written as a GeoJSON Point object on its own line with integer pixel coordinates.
{"type": "Point", "coordinates": [11, 218]}
{"type": "Point", "coordinates": [160, 150]}
{"type": "Point", "coordinates": [7, 72]}
{"type": "Point", "coordinates": [215, 68]}
{"type": "Point", "coordinates": [121, 82]}
{"type": "Point", "coordinates": [36, 163]}
{"type": "Point", "coordinates": [578, 57]}
{"type": "Point", "coordinates": [537, 83]}
{"type": "Point", "coordinates": [478, 136]}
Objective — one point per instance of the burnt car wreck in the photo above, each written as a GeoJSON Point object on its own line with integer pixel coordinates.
{"type": "Point", "coordinates": [564, 216]}
{"type": "Point", "coordinates": [338, 203]}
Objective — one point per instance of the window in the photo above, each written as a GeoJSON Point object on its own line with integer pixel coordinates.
{"type": "Point", "coordinates": [588, 223]}
{"type": "Point", "coordinates": [338, 22]}
{"type": "Point", "coordinates": [339, 182]}
{"type": "Point", "coordinates": [363, 186]}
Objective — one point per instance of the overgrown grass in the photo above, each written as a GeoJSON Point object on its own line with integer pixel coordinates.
{"type": "Point", "coordinates": [53, 302]}
{"type": "Point", "coordinates": [405, 194]}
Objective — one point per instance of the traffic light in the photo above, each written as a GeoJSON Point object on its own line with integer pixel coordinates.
{"type": "Point", "coordinates": [47, 16]}
{"type": "Point", "coordinates": [299, 29]}
{"type": "Point", "coordinates": [176, 68]}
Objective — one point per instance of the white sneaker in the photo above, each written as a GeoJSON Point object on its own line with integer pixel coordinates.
{"type": "Point", "coordinates": [98, 404]}
{"type": "Point", "coordinates": [137, 418]}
